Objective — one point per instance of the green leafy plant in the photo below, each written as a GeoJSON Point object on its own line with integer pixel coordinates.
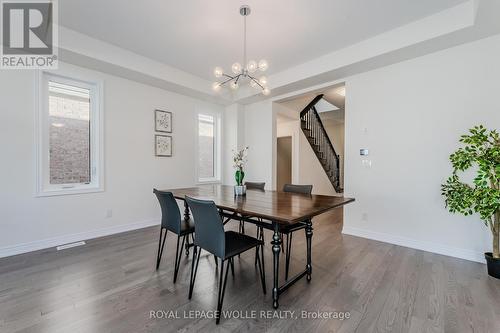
{"type": "Point", "coordinates": [482, 150]}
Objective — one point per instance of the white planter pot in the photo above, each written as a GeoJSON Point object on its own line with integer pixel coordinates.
{"type": "Point", "coordinates": [240, 190]}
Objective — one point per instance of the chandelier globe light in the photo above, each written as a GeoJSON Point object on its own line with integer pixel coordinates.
{"type": "Point", "coordinates": [243, 73]}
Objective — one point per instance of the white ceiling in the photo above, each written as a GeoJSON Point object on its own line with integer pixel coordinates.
{"type": "Point", "coordinates": [324, 106]}
{"type": "Point", "coordinates": [197, 35]}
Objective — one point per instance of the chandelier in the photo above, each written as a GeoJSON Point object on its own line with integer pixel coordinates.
{"type": "Point", "coordinates": [240, 73]}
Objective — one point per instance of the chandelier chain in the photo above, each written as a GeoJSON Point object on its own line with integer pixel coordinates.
{"type": "Point", "coordinates": [244, 40]}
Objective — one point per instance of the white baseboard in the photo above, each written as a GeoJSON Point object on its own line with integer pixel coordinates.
{"type": "Point", "coordinates": [66, 239]}
{"type": "Point", "coordinates": [378, 236]}
{"type": "Point", "coordinates": [416, 244]}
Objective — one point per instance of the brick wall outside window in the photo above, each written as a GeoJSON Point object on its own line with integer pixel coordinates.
{"type": "Point", "coordinates": [69, 139]}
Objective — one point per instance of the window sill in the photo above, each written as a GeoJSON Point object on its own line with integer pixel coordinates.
{"type": "Point", "coordinates": [72, 191]}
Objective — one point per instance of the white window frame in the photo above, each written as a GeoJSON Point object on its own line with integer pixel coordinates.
{"type": "Point", "coordinates": [43, 186]}
{"type": "Point", "coordinates": [217, 149]}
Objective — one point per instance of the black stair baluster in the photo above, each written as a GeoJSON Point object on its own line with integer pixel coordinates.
{"type": "Point", "coordinates": [315, 132]}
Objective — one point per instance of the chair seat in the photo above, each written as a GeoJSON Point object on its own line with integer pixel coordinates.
{"type": "Point", "coordinates": [237, 243]}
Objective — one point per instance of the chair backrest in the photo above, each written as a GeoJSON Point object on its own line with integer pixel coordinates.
{"type": "Point", "coordinates": [208, 224]}
{"type": "Point", "coordinates": [255, 185]}
{"type": "Point", "coordinates": [170, 215]}
{"type": "Point", "coordinates": [305, 189]}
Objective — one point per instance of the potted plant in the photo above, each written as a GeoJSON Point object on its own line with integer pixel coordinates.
{"type": "Point", "coordinates": [482, 151]}
{"type": "Point", "coordinates": [239, 160]}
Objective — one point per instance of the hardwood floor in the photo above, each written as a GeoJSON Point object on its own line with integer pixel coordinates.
{"type": "Point", "coordinates": [110, 285]}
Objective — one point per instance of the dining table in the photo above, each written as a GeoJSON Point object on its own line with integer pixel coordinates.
{"type": "Point", "coordinates": [278, 209]}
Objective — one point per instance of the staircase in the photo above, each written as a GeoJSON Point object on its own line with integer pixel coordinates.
{"type": "Point", "coordinates": [313, 129]}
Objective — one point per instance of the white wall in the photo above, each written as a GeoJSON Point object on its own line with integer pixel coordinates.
{"type": "Point", "coordinates": [260, 134]}
{"type": "Point", "coordinates": [131, 169]}
{"type": "Point", "coordinates": [414, 113]}
{"type": "Point", "coordinates": [233, 139]}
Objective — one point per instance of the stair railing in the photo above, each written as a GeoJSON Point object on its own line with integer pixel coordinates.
{"type": "Point", "coordinates": [318, 138]}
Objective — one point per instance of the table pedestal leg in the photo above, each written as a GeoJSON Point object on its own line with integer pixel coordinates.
{"type": "Point", "coordinates": [186, 218]}
{"type": "Point", "coordinates": [186, 211]}
{"type": "Point", "coordinates": [309, 233]}
{"type": "Point", "coordinates": [276, 242]}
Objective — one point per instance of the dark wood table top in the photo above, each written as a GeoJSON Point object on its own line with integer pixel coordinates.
{"type": "Point", "coordinates": [281, 207]}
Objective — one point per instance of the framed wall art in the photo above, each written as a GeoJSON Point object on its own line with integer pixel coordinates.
{"type": "Point", "coordinates": [163, 145]}
{"type": "Point", "coordinates": [163, 121]}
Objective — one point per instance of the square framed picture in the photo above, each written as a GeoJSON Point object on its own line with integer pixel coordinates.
{"type": "Point", "coordinates": [163, 121]}
{"type": "Point", "coordinates": [163, 145]}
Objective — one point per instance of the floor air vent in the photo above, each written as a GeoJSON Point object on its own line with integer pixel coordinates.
{"type": "Point", "coordinates": [69, 246]}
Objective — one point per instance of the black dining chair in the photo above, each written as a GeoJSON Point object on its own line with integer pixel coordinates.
{"type": "Point", "coordinates": [251, 186]}
{"type": "Point", "coordinates": [171, 221]}
{"type": "Point", "coordinates": [293, 188]}
{"type": "Point", "coordinates": [290, 229]}
{"type": "Point", "coordinates": [287, 230]}
{"type": "Point", "coordinates": [225, 245]}
{"type": "Point", "coordinates": [255, 185]}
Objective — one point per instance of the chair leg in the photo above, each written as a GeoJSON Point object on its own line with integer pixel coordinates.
{"type": "Point", "coordinates": [241, 228]}
{"type": "Point", "coordinates": [160, 247]}
{"type": "Point", "coordinates": [194, 270]}
{"type": "Point", "coordinates": [178, 255]}
{"type": "Point", "coordinates": [288, 252]}
{"type": "Point", "coordinates": [232, 266]}
{"type": "Point", "coordinates": [257, 252]}
{"type": "Point", "coordinates": [282, 246]}
{"type": "Point", "coordinates": [260, 235]}
{"type": "Point", "coordinates": [262, 269]}
{"type": "Point", "coordinates": [222, 290]}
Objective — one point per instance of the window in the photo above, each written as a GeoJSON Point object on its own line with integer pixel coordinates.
{"type": "Point", "coordinates": [208, 148]}
{"type": "Point", "coordinates": [69, 145]}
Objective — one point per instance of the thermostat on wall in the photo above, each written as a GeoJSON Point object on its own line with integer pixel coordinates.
{"type": "Point", "coordinates": [363, 152]}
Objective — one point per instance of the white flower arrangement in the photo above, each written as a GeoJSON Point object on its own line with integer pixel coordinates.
{"type": "Point", "coordinates": [240, 158]}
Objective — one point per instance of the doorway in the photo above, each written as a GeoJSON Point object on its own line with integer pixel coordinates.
{"type": "Point", "coordinates": [284, 161]}
{"type": "Point", "coordinates": [310, 144]}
